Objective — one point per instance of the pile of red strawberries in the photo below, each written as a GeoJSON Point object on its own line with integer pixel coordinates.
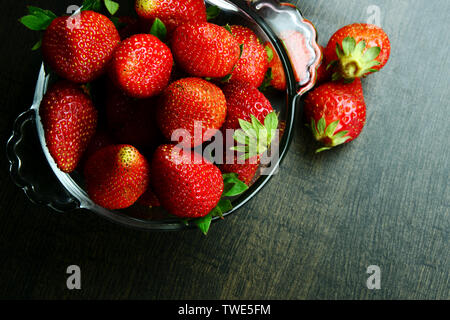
{"type": "Point", "coordinates": [167, 70]}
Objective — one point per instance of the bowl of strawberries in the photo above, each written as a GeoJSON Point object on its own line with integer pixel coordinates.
{"type": "Point", "coordinates": [171, 117]}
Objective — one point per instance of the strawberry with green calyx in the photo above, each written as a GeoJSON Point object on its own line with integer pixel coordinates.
{"type": "Point", "coordinates": [78, 48]}
{"type": "Point", "coordinates": [336, 114]}
{"type": "Point", "coordinates": [246, 171]}
{"type": "Point", "coordinates": [116, 176]}
{"type": "Point", "coordinates": [69, 119]}
{"type": "Point", "coordinates": [244, 100]}
{"type": "Point", "coordinates": [357, 50]}
{"type": "Point", "coordinates": [232, 187]}
{"type": "Point", "coordinates": [277, 77]}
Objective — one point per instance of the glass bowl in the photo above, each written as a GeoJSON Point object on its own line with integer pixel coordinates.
{"type": "Point", "coordinates": [33, 169]}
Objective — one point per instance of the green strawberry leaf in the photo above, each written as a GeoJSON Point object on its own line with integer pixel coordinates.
{"type": "Point", "coordinates": [111, 6]}
{"type": "Point", "coordinates": [212, 12]}
{"type": "Point", "coordinates": [37, 45]}
{"type": "Point", "coordinates": [159, 30]}
{"type": "Point", "coordinates": [204, 223]}
{"type": "Point", "coordinates": [267, 80]}
{"type": "Point", "coordinates": [93, 5]}
{"type": "Point", "coordinates": [228, 28]}
{"type": "Point", "coordinates": [233, 186]}
{"type": "Point", "coordinates": [255, 136]}
{"type": "Point", "coordinates": [37, 19]}
{"type": "Point", "coordinates": [269, 52]}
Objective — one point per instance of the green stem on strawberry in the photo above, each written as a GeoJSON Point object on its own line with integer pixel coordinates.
{"type": "Point", "coordinates": [159, 30]}
{"type": "Point", "coordinates": [326, 134]}
{"type": "Point", "coordinates": [254, 137]}
{"type": "Point", "coordinates": [212, 12]}
{"type": "Point", "coordinates": [352, 61]}
{"type": "Point", "coordinates": [39, 19]}
{"type": "Point", "coordinates": [232, 188]}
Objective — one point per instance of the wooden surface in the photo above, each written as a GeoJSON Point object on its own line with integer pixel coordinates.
{"type": "Point", "coordinates": [310, 234]}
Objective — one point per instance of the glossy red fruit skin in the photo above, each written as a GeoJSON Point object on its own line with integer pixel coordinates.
{"type": "Point", "coordinates": [80, 53]}
{"type": "Point", "coordinates": [253, 64]}
{"type": "Point", "coordinates": [100, 140]}
{"type": "Point", "coordinates": [333, 101]}
{"type": "Point", "coordinates": [173, 13]}
{"type": "Point", "coordinates": [373, 35]}
{"type": "Point", "coordinates": [141, 66]}
{"type": "Point", "coordinates": [278, 75]}
{"type": "Point", "coordinates": [245, 171]}
{"type": "Point", "coordinates": [116, 176]}
{"type": "Point", "coordinates": [69, 119]}
{"type": "Point", "coordinates": [187, 185]}
{"type": "Point", "coordinates": [189, 100]}
{"type": "Point", "coordinates": [244, 100]}
{"type": "Point", "coordinates": [205, 50]}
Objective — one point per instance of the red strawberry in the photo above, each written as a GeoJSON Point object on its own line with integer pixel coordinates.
{"type": "Point", "coordinates": [253, 64]}
{"type": "Point", "coordinates": [245, 171]}
{"type": "Point", "coordinates": [244, 100]}
{"type": "Point", "coordinates": [79, 49]}
{"type": "Point", "coordinates": [335, 113]}
{"type": "Point", "coordinates": [205, 49]}
{"type": "Point", "coordinates": [278, 76]}
{"type": "Point", "coordinates": [116, 176]}
{"type": "Point", "coordinates": [357, 50]}
{"type": "Point", "coordinates": [69, 119]}
{"type": "Point", "coordinates": [191, 100]}
{"type": "Point", "coordinates": [141, 66]}
{"type": "Point", "coordinates": [172, 13]}
{"type": "Point", "coordinates": [186, 184]}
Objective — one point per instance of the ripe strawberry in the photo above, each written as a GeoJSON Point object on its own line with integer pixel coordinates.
{"type": "Point", "coordinates": [244, 100]}
{"type": "Point", "coordinates": [278, 76]}
{"type": "Point", "coordinates": [205, 50]}
{"type": "Point", "coordinates": [80, 48]}
{"type": "Point", "coordinates": [191, 100]}
{"type": "Point", "coordinates": [116, 176]}
{"type": "Point", "coordinates": [246, 171]}
{"type": "Point", "coordinates": [187, 185]}
{"type": "Point", "coordinates": [172, 13]}
{"type": "Point", "coordinates": [69, 119]}
{"type": "Point", "coordinates": [253, 64]}
{"type": "Point", "coordinates": [141, 66]}
{"type": "Point", "coordinates": [337, 114]}
{"type": "Point", "coordinates": [357, 50]}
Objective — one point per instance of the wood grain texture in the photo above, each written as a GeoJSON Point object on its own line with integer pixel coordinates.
{"type": "Point", "coordinates": [310, 234]}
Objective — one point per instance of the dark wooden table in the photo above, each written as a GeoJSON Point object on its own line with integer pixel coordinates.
{"type": "Point", "coordinates": [310, 234]}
